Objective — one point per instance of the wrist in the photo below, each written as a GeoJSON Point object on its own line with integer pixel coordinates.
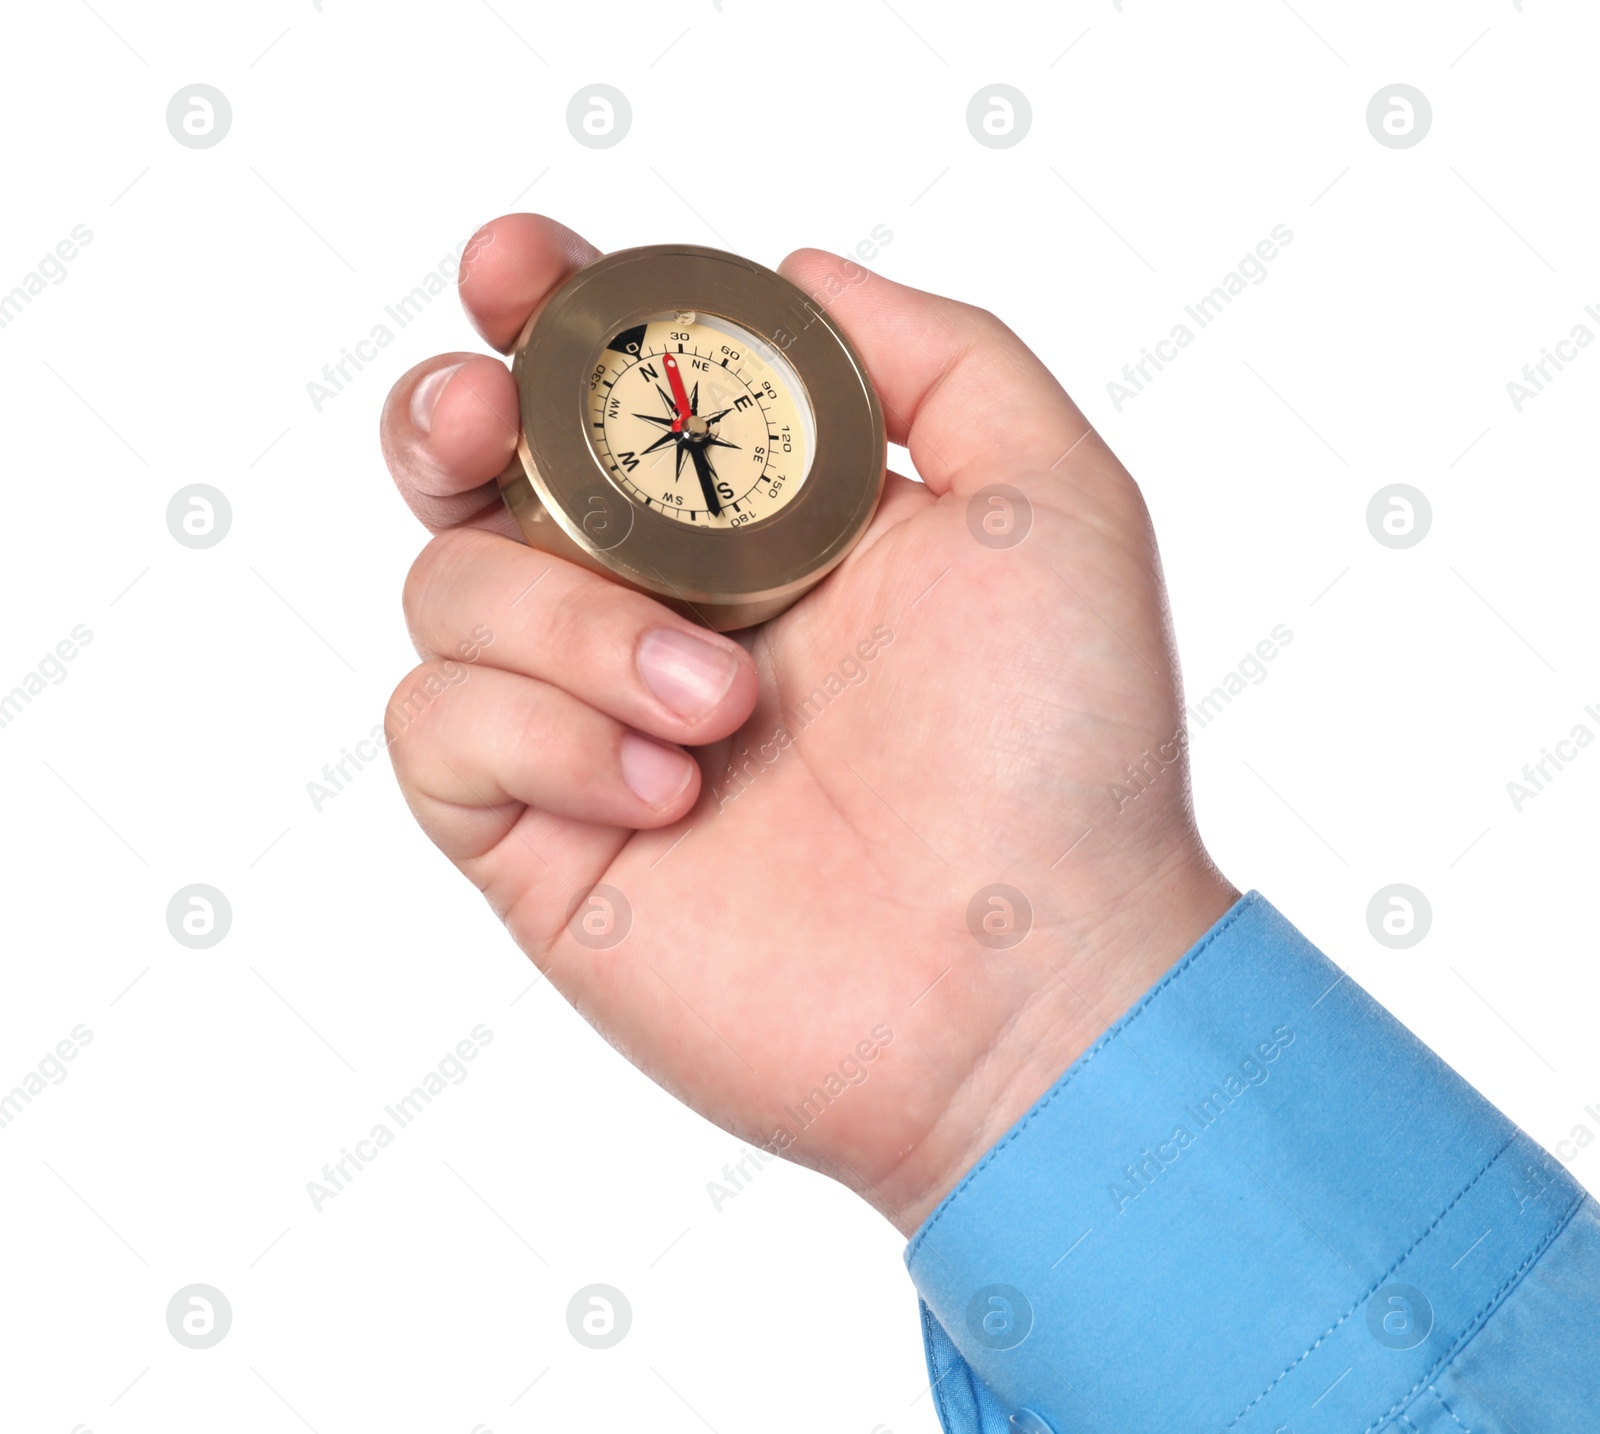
{"type": "Point", "coordinates": [1085, 984]}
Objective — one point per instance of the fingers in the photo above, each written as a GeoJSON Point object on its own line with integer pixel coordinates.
{"type": "Point", "coordinates": [517, 261]}
{"type": "Point", "coordinates": [476, 737]}
{"type": "Point", "coordinates": [958, 387]}
{"type": "Point", "coordinates": [615, 650]}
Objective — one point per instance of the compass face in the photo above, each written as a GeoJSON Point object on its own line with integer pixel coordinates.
{"type": "Point", "coordinates": [698, 420]}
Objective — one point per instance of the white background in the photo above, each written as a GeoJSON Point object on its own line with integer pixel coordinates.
{"type": "Point", "coordinates": [367, 143]}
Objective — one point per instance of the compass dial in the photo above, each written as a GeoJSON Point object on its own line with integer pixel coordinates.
{"type": "Point", "coordinates": [695, 418]}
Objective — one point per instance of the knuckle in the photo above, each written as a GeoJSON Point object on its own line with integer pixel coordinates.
{"type": "Point", "coordinates": [568, 619]}
{"type": "Point", "coordinates": [393, 724]}
{"type": "Point", "coordinates": [425, 685]}
{"type": "Point", "coordinates": [536, 731]}
{"type": "Point", "coordinates": [430, 571]}
{"type": "Point", "coordinates": [990, 327]}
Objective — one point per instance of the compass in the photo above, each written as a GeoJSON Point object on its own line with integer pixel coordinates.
{"type": "Point", "coordinates": [697, 428]}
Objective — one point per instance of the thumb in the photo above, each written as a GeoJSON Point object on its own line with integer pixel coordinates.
{"type": "Point", "coordinates": [959, 388]}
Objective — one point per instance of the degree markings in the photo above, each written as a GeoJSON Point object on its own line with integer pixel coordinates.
{"type": "Point", "coordinates": [632, 361]}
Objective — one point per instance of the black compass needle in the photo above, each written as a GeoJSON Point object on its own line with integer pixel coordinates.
{"type": "Point", "coordinates": [702, 468]}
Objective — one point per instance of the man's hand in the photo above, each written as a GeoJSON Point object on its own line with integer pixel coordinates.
{"type": "Point", "coordinates": [941, 715]}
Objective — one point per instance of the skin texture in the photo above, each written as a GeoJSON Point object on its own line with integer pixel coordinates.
{"type": "Point", "coordinates": [784, 919]}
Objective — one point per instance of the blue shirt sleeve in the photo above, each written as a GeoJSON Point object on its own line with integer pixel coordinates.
{"type": "Point", "coordinates": [1259, 1205]}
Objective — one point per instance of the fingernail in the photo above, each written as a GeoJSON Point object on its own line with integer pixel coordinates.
{"type": "Point", "coordinates": [689, 675]}
{"type": "Point", "coordinates": [425, 396]}
{"type": "Point", "coordinates": [654, 773]}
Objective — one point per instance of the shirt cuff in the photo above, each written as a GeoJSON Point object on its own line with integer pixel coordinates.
{"type": "Point", "coordinates": [1258, 1202]}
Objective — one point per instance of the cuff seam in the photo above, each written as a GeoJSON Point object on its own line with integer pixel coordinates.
{"type": "Point", "coordinates": [1470, 1330]}
{"type": "Point", "coordinates": [931, 1347]}
{"type": "Point", "coordinates": [1376, 1285]}
{"type": "Point", "coordinates": [1434, 1391]}
{"type": "Point", "coordinates": [1244, 904]}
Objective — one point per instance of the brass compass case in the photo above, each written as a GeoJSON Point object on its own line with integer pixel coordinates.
{"type": "Point", "coordinates": [573, 501]}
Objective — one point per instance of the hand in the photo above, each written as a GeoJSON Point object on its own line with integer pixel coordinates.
{"type": "Point", "coordinates": [800, 879]}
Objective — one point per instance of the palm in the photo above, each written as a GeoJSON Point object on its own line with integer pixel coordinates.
{"type": "Point", "coordinates": [821, 884]}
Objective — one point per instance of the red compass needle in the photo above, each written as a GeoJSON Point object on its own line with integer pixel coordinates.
{"type": "Point", "coordinates": [679, 396]}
